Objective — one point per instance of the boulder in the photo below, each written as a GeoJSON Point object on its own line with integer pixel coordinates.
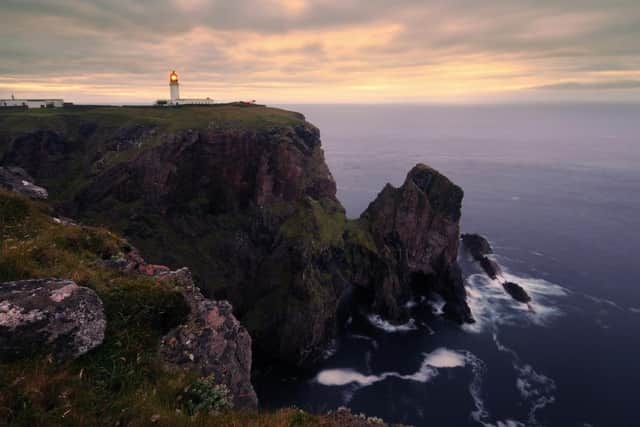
{"type": "Point", "coordinates": [18, 180]}
{"type": "Point", "coordinates": [212, 341]}
{"type": "Point", "coordinates": [490, 267]}
{"type": "Point", "coordinates": [517, 292]}
{"type": "Point", "coordinates": [49, 316]}
{"type": "Point", "coordinates": [477, 245]}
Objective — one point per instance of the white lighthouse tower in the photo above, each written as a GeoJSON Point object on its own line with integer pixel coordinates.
{"type": "Point", "coordinates": [174, 87]}
{"type": "Point", "coordinates": [174, 90]}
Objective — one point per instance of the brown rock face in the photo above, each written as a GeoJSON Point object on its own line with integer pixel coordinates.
{"type": "Point", "coordinates": [422, 215]}
{"type": "Point", "coordinates": [226, 169]}
{"type": "Point", "coordinates": [212, 341]}
{"type": "Point", "coordinates": [417, 225]}
{"type": "Point", "coordinates": [49, 316]}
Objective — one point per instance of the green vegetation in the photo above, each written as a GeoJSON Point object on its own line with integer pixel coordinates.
{"type": "Point", "coordinates": [122, 382]}
{"type": "Point", "coordinates": [206, 396]}
{"type": "Point", "coordinates": [68, 119]}
{"type": "Point", "coordinates": [316, 222]}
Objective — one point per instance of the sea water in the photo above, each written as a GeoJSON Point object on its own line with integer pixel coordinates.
{"type": "Point", "coordinates": [556, 189]}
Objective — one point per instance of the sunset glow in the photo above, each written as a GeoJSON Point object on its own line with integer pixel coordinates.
{"type": "Point", "coordinates": [321, 51]}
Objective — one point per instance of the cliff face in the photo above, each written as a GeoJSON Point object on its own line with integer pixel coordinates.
{"type": "Point", "coordinates": [416, 228]}
{"type": "Point", "coordinates": [244, 197]}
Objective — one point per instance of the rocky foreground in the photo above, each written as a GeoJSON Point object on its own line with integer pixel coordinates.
{"type": "Point", "coordinates": [242, 196]}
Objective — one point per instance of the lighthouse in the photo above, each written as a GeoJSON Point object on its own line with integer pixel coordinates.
{"type": "Point", "coordinates": [174, 91]}
{"type": "Point", "coordinates": [174, 87]}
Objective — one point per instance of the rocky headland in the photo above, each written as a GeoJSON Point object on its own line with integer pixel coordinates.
{"type": "Point", "coordinates": [242, 196]}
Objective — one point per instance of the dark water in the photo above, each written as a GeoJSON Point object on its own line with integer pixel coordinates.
{"type": "Point", "coordinates": [557, 191]}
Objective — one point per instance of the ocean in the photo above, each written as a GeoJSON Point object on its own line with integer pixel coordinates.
{"type": "Point", "coordinates": [556, 190]}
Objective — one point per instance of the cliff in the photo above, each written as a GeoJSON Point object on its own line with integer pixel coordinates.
{"type": "Point", "coordinates": [243, 197]}
{"type": "Point", "coordinates": [115, 340]}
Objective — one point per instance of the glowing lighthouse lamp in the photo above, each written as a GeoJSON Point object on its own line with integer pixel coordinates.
{"type": "Point", "coordinates": [174, 87]}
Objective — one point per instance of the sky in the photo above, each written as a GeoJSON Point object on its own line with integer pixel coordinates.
{"type": "Point", "coordinates": [322, 51]}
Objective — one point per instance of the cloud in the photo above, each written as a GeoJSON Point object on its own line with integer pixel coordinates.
{"type": "Point", "coordinates": [612, 84]}
{"type": "Point", "coordinates": [337, 50]}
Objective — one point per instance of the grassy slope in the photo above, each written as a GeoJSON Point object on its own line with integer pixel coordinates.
{"type": "Point", "coordinates": [121, 382]}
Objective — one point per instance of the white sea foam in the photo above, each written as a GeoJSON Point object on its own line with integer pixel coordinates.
{"type": "Point", "coordinates": [445, 358]}
{"type": "Point", "coordinates": [339, 377]}
{"type": "Point", "coordinates": [602, 301]}
{"type": "Point", "coordinates": [441, 358]}
{"type": "Point", "coordinates": [437, 304]}
{"type": "Point", "coordinates": [634, 310]}
{"type": "Point", "coordinates": [491, 305]}
{"type": "Point", "coordinates": [380, 323]}
{"type": "Point", "coordinates": [535, 388]}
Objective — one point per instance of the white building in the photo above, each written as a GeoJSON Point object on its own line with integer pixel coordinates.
{"type": "Point", "coordinates": [174, 91]}
{"type": "Point", "coordinates": [32, 103]}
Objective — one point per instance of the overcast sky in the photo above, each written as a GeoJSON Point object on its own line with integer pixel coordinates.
{"type": "Point", "coordinates": [322, 50]}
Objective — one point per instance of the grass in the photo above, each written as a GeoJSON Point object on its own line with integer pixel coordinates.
{"type": "Point", "coordinates": [121, 382]}
{"type": "Point", "coordinates": [232, 115]}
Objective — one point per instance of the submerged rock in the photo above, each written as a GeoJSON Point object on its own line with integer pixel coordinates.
{"type": "Point", "coordinates": [490, 267]}
{"type": "Point", "coordinates": [18, 180]}
{"type": "Point", "coordinates": [517, 292]}
{"type": "Point", "coordinates": [478, 247]}
{"type": "Point", "coordinates": [51, 316]}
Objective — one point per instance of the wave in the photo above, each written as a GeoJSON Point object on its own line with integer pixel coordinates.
{"type": "Point", "coordinates": [534, 387]}
{"type": "Point", "coordinates": [441, 358]}
{"type": "Point", "coordinates": [491, 305]}
{"type": "Point", "coordinates": [380, 323]}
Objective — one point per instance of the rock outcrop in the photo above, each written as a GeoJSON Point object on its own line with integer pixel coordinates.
{"type": "Point", "coordinates": [49, 316]}
{"type": "Point", "coordinates": [18, 180]}
{"type": "Point", "coordinates": [212, 341]}
{"type": "Point", "coordinates": [478, 247]}
{"type": "Point", "coordinates": [244, 198]}
{"type": "Point", "coordinates": [416, 231]}
{"type": "Point", "coordinates": [517, 292]}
